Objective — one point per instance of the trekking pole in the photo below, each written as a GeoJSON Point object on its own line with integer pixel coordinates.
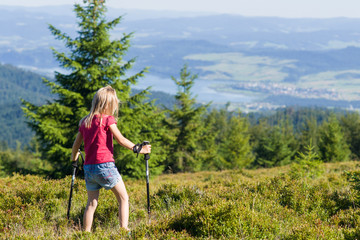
{"type": "Point", "coordinates": [75, 167]}
{"type": "Point", "coordinates": [146, 158]}
{"type": "Point", "coordinates": [137, 150]}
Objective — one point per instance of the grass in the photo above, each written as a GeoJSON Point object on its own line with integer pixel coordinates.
{"type": "Point", "coordinates": [276, 203]}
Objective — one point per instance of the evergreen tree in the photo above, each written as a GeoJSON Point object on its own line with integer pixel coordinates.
{"type": "Point", "coordinates": [307, 164]}
{"type": "Point", "coordinates": [216, 122]}
{"type": "Point", "coordinates": [309, 134]}
{"type": "Point", "coordinates": [351, 127]}
{"type": "Point", "coordinates": [209, 149]}
{"type": "Point", "coordinates": [273, 145]}
{"type": "Point", "coordinates": [332, 145]}
{"type": "Point", "coordinates": [92, 61]}
{"type": "Point", "coordinates": [186, 129]}
{"type": "Point", "coordinates": [236, 147]}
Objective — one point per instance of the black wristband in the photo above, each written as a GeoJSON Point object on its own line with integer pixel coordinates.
{"type": "Point", "coordinates": [135, 148]}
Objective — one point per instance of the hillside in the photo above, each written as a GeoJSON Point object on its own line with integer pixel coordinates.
{"type": "Point", "coordinates": [17, 84]}
{"type": "Point", "coordinates": [278, 203]}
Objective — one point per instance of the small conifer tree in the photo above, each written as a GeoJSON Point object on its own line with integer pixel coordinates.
{"type": "Point", "coordinates": [185, 127]}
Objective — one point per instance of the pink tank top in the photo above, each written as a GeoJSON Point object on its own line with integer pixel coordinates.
{"type": "Point", "coordinates": [98, 140]}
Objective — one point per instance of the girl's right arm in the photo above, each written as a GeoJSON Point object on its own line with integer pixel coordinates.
{"type": "Point", "coordinates": [125, 142]}
{"type": "Point", "coordinates": [76, 146]}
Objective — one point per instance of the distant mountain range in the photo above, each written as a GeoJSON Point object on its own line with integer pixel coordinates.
{"type": "Point", "coordinates": [233, 55]}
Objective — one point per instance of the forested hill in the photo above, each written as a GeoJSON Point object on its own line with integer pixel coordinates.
{"type": "Point", "coordinates": [17, 84]}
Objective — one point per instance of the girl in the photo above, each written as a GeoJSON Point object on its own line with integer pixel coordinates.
{"type": "Point", "coordinates": [97, 130]}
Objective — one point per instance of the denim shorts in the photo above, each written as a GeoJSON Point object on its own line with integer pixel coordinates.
{"type": "Point", "coordinates": [101, 175]}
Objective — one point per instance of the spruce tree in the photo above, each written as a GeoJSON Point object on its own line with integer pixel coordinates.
{"type": "Point", "coordinates": [332, 144]}
{"type": "Point", "coordinates": [186, 129]}
{"type": "Point", "coordinates": [216, 123]}
{"type": "Point", "coordinates": [92, 61]}
{"type": "Point", "coordinates": [228, 140]}
{"type": "Point", "coordinates": [236, 147]}
{"type": "Point", "coordinates": [273, 145]}
{"type": "Point", "coordinates": [309, 134]}
{"type": "Point", "coordinates": [350, 124]}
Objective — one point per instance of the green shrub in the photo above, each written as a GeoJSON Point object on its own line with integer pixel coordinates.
{"type": "Point", "coordinates": [170, 195]}
{"type": "Point", "coordinates": [354, 178]}
{"type": "Point", "coordinates": [202, 220]}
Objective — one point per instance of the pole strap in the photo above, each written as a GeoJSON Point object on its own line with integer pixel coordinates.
{"type": "Point", "coordinates": [137, 148]}
{"type": "Point", "coordinates": [76, 164]}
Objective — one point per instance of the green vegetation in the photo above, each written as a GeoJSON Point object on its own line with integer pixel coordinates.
{"type": "Point", "coordinates": [186, 130]}
{"type": "Point", "coordinates": [224, 140]}
{"type": "Point", "coordinates": [235, 204]}
{"type": "Point", "coordinates": [15, 84]}
{"type": "Point", "coordinates": [332, 147]}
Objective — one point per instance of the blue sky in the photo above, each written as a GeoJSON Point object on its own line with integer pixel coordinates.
{"type": "Point", "coordinates": [280, 8]}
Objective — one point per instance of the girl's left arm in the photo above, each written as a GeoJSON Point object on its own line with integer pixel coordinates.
{"type": "Point", "coordinates": [120, 138]}
{"type": "Point", "coordinates": [76, 146]}
{"type": "Point", "coordinates": [126, 142]}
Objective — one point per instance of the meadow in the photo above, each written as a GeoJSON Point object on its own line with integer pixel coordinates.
{"type": "Point", "coordinates": [237, 66]}
{"type": "Point", "coordinates": [293, 202]}
{"type": "Point", "coordinates": [263, 69]}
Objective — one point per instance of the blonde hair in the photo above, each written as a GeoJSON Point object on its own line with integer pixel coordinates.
{"type": "Point", "coordinates": [104, 100]}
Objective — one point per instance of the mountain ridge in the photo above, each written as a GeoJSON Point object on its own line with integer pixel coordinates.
{"type": "Point", "coordinates": [319, 53]}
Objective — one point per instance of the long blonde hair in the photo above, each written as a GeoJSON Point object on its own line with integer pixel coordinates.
{"type": "Point", "coordinates": [104, 100]}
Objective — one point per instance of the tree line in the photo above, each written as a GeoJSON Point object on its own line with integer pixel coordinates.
{"type": "Point", "coordinates": [191, 139]}
{"type": "Point", "coordinates": [187, 137]}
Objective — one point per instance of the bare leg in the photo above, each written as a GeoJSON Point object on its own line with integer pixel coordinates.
{"type": "Point", "coordinates": [123, 199]}
{"type": "Point", "coordinates": [92, 202]}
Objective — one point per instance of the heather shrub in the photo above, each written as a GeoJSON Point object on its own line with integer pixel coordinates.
{"type": "Point", "coordinates": [246, 204]}
{"type": "Point", "coordinates": [170, 195]}
{"type": "Point", "coordinates": [106, 213]}
{"type": "Point", "coordinates": [218, 219]}
{"type": "Point", "coordinates": [354, 178]}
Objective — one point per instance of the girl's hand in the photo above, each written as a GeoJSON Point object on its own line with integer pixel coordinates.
{"type": "Point", "coordinates": [145, 149]}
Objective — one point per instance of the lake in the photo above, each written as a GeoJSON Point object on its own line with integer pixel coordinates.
{"type": "Point", "coordinates": [202, 89]}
